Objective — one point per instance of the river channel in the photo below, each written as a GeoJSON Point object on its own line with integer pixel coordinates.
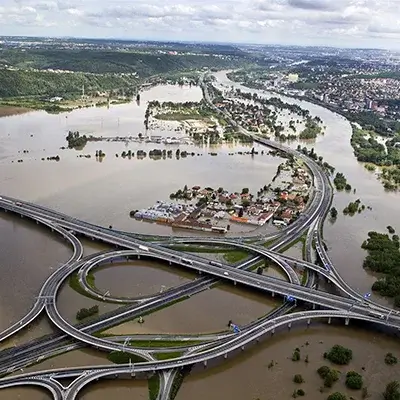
{"type": "Point", "coordinates": [345, 236]}
{"type": "Point", "coordinates": [105, 192]}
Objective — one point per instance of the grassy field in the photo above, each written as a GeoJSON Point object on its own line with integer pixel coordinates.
{"type": "Point", "coordinates": [235, 256]}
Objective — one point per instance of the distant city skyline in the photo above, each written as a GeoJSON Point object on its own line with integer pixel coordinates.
{"type": "Point", "coordinates": [333, 23]}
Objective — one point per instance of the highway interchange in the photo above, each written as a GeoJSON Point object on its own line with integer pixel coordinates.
{"type": "Point", "coordinates": [345, 304]}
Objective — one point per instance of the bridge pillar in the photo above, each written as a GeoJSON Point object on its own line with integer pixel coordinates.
{"type": "Point", "coordinates": [314, 306]}
{"type": "Point", "coordinates": [138, 256]}
{"type": "Point", "coordinates": [273, 331]}
{"type": "Point", "coordinates": [200, 272]}
{"type": "Point", "coordinates": [309, 321]}
{"type": "Point", "coordinates": [170, 262]}
{"type": "Point", "coordinates": [273, 294]}
{"type": "Point", "coordinates": [242, 348]}
{"type": "Point", "coordinates": [205, 363]}
{"type": "Point", "coordinates": [226, 356]}
{"type": "Point", "coordinates": [37, 222]}
{"type": "Point", "coordinates": [133, 374]}
{"type": "Point", "coordinates": [23, 217]}
{"type": "Point", "coordinates": [234, 282]}
{"type": "Point", "coordinates": [289, 325]}
{"type": "Point", "coordinates": [329, 320]}
{"type": "Point", "coordinates": [92, 238]}
{"type": "Point", "coordinates": [347, 321]}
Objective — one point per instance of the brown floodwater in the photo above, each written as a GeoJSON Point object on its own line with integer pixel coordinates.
{"type": "Point", "coordinates": [105, 192]}
{"type": "Point", "coordinates": [247, 376]}
{"type": "Point", "coordinates": [29, 254]}
{"type": "Point", "coordinates": [206, 312]}
{"type": "Point", "coordinates": [25, 393]}
{"type": "Point", "coordinates": [138, 278]}
{"type": "Point", "coordinates": [116, 185]}
{"type": "Point", "coordinates": [120, 389]}
{"type": "Point", "coordinates": [76, 358]}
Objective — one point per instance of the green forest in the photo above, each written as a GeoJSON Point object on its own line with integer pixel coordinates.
{"type": "Point", "coordinates": [29, 83]}
{"type": "Point", "coordinates": [384, 257]}
{"type": "Point", "coordinates": [96, 69]}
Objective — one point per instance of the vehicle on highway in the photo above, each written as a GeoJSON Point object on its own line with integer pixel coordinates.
{"type": "Point", "coordinates": [217, 264]}
{"type": "Point", "coordinates": [226, 273]}
{"type": "Point", "coordinates": [185, 261]}
{"type": "Point", "coordinates": [375, 314]}
{"type": "Point", "coordinates": [144, 248]}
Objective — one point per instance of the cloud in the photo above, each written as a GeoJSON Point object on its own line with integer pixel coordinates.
{"type": "Point", "coordinates": [330, 22]}
{"type": "Point", "coordinates": [321, 5]}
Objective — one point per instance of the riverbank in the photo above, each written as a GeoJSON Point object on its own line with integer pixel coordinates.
{"type": "Point", "coordinates": [8, 111]}
{"type": "Point", "coordinates": [344, 235]}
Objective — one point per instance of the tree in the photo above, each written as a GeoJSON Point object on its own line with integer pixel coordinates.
{"type": "Point", "coordinates": [339, 355]}
{"type": "Point", "coordinates": [390, 359]}
{"type": "Point", "coordinates": [337, 396]}
{"type": "Point", "coordinates": [333, 213]}
{"type": "Point", "coordinates": [354, 380]}
{"type": "Point", "coordinates": [392, 391]}
{"type": "Point", "coordinates": [331, 378]}
{"type": "Point", "coordinates": [323, 371]}
{"type": "Point", "coordinates": [296, 355]}
{"type": "Point", "coordinates": [298, 379]}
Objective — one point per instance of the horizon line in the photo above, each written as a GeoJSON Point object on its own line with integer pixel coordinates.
{"type": "Point", "coordinates": [68, 37]}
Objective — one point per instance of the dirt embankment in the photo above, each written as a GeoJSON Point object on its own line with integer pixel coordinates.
{"type": "Point", "coordinates": [6, 111]}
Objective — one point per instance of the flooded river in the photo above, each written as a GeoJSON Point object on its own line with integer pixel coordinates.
{"type": "Point", "coordinates": [247, 376]}
{"type": "Point", "coordinates": [345, 236]}
{"type": "Point", "coordinates": [105, 192]}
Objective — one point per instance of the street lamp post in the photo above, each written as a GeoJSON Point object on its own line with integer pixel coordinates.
{"type": "Point", "coordinates": [125, 343]}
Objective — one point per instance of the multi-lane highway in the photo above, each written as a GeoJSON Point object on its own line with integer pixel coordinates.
{"type": "Point", "coordinates": [351, 305]}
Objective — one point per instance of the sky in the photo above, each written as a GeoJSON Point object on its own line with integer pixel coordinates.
{"type": "Point", "coordinates": [341, 23]}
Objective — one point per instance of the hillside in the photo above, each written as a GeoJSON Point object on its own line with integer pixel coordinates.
{"type": "Point", "coordinates": [95, 69]}
{"type": "Point", "coordinates": [102, 61]}
{"type": "Point", "coordinates": [30, 83]}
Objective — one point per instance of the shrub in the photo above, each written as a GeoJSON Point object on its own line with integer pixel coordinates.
{"type": "Point", "coordinates": [298, 379]}
{"type": "Point", "coordinates": [337, 396]}
{"type": "Point", "coordinates": [331, 378]}
{"type": "Point", "coordinates": [323, 371]}
{"type": "Point", "coordinates": [390, 359]}
{"type": "Point", "coordinates": [339, 355]}
{"type": "Point", "coordinates": [87, 312]}
{"type": "Point", "coordinates": [296, 355]}
{"type": "Point", "coordinates": [354, 380]}
{"type": "Point", "coordinates": [392, 391]}
{"type": "Point", "coordinates": [300, 392]}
